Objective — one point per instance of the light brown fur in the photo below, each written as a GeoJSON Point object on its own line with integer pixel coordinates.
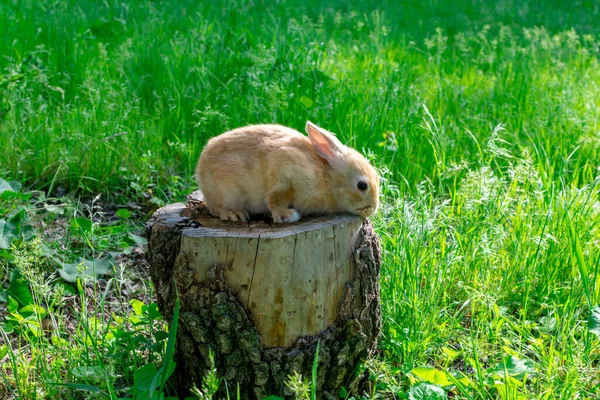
{"type": "Point", "coordinates": [277, 170]}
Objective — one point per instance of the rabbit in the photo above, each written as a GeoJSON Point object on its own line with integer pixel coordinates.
{"type": "Point", "coordinates": [262, 169]}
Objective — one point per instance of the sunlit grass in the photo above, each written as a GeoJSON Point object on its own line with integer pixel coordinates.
{"type": "Point", "coordinates": [109, 91]}
{"type": "Point", "coordinates": [505, 266]}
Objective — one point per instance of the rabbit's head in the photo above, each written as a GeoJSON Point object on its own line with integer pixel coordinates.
{"type": "Point", "coordinates": [354, 182]}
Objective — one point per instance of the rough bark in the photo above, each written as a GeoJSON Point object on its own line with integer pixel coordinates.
{"type": "Point", "coordinates": [217, 316]}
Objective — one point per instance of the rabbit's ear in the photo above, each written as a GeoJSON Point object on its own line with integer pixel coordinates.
{"type": "Point", "coordinates": [325, 143]}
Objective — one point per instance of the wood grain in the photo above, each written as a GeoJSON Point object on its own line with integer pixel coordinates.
{"type": "Point", "coordinates": [291, 277]}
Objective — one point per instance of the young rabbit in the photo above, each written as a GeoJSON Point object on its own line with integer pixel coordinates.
{"type": "Point", "coordinates": [270, 168]}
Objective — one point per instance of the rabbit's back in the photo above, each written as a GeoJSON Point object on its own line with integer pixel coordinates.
{"type": "Point", "coordinates": [236, 169]}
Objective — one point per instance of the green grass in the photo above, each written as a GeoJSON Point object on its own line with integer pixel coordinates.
{"type": "Point", "coordinates": [110, 92]}
{"type": "Point", "coordinates": [481, 116]}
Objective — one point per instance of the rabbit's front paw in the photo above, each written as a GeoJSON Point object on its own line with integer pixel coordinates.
{"type": "Point", "coordinates": [230, 215]}
{"type": "Point", "coordinates": [286, 215]}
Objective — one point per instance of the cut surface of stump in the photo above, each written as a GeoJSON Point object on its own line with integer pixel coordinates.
{"type": "Point", "coordinates": [260, 296]}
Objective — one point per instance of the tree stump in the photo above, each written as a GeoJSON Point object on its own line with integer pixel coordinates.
{"type": "Point", "coordinates": [260, 296]}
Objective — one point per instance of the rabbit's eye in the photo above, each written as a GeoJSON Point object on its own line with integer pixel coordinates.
{"type": "Point", "coordinates": [362, 186]}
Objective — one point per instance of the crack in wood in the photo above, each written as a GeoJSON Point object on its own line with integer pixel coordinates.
{"type": "Point", "coordinates": [335, 263]}
{"type": "Point", "coordinates": [253, 272]}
